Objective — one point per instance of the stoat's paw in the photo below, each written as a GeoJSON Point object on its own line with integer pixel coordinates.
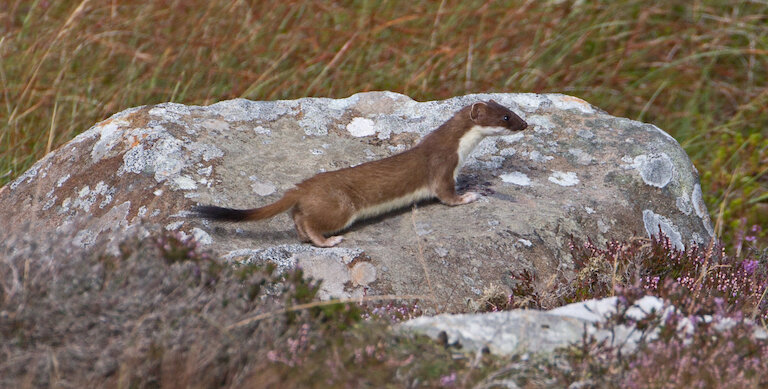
{"type": "Point", "coordinates": [469, 197]}
{"type": "Point", "coordinates": [333, 241]}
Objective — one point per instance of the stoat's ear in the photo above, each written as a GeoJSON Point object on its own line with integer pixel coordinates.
{"type": "Point", "coordinates": [474, 113]}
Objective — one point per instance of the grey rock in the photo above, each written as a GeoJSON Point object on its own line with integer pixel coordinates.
{"type": "Point", "coordinates": [531, 331]}
{"type": "Point", "coordinates": [541, 332]}
{"type": "Point", "coordinates": [576, 171]}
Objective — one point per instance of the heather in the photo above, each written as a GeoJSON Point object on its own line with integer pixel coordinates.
{"type": "Point", "coordinates": [164, 313]}
{"type": "Point", "coordinates": [706, 340]}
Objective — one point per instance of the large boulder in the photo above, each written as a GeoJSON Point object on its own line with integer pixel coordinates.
{"type": "Point", "coordinates": [576, 171]}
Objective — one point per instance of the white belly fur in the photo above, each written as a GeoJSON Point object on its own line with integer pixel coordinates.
{"type": "Point", "coordinates": [417, 195]}
{"type": "Point", "coordinates": [469, 141]}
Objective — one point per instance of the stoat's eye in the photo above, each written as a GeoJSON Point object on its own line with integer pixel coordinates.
{"type": "Point", "coordinates": [506, 118]}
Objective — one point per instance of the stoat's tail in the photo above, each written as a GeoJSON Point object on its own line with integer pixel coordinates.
{"type": "Point", "coordinates": [237, 215]}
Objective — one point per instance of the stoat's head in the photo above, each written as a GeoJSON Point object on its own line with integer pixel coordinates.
{"type": "Point", "coordinates": [495, 119]}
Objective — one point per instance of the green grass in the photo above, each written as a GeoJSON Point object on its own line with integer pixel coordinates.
{"type": "Point", "coordinates": [696, 69]}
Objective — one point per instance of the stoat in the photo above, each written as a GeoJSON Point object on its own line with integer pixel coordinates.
{"type": "Point", "coordinates": [331, 201]}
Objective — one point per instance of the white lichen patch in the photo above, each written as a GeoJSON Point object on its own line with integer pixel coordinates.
{"type": "Point", "coordinates": [171, 112]}
{"type": "Point", "coordinates": [360, 127]}
{"type": "Point", "coordinates": [261, 188]}
{"type": "Point", "coordinates": [206, 171]}
{"type": "Point", "coordinates": [563, 178]}
{"type": "Point", "coordinates": [50, 202]}
{"type": "Point", "coordinates": [113, 220]}
{"type": "Point", "coordinates": [28, 176]}
{"type": "Point", "coordinates": [589, 210]}
{"type": "Point", "coordinates": [84, 238]}
{"type": "Point", "coordinates": [163, 158]}
{"type": "Point", "coordinates": [653, 222]}
{"type": "Point", "coordinates": [383, 133]}
{"type": "Point", "coordinates": [184, 183]}
{"type": "Point", "coordinates": [65, 206]}
{"type": "Point", "coordinates": [174, 226]}
{"type": "Point", "coordinates": [525, 242]}
{"type": "Point", "coordinates": [655, 169]}
{"type": "Point", "coordinates": [582, 157]}
{"type": "Point", "coordinates": [107, 192]}
{"type": "Point", "coordinates": [109, 136]}
{"type": "Point", "coordinates": [629, 162]}
{"type": "Point", "coordinates": [536, 156]}
{"type": "Point", "coordinates": [565, 102]}
{"type": "Point", "coordinates": [205, 151]}
{"type": "Point", "coordinates": [512, 138]}
{"type": "Point", "coordinates": [684, 204]}
{"type": "Point", "coordinates": [516, 178]}
{"type": "Point", "coordinates": [201, 236]}
{"type": "Point", "coordinates": [708, 225]}
{"type": "Point", "coordinates": [529, 101]}
{"type": "Point", "coordinates": [242, 110]}
{"type": "Point", "coordinates": [422, 228]}
{"type": "Point", "coordinates": [698, 202]}
{"type": "Point", "coordinates": [418, 123]}
{"type": "Point", "coordinates": [541, 124]}
{"type": "Point", "coordinates": [508, 152]}
{"type": "Point", "coordinates": [93, 132]}
{"type": "Point", "coordinates": [62, 180]}
{"type": "Point", "coordinates": [285, 256]}
{"type": "Point", "coordinates": [86, 197]}
{"type": "Point", "coordinates": [345, 103]}
{"type": "Point", "coordinates": [262, 131]}
{"type": "Point", "coordinates": [318, 116]}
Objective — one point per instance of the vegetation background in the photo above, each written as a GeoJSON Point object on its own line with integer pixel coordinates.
{"type": "Point", "coordinates": [697, 69]}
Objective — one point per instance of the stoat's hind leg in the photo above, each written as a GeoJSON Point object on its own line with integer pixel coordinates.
{"type": "Point", "coordinates": [298, 221]}
{"type": "Point", "coordinates": [309, 231]}
{"type": "Point", "coordinates": [317, 238]}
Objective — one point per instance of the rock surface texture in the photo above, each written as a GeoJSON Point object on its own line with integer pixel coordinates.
{"type": "Point", "coordinates": [576, 171]}
{"type": "Point", "coordinates": [530, 331]}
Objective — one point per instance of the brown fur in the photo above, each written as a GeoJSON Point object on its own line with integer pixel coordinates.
{"type": "Point", "coordinates": [331, 201]}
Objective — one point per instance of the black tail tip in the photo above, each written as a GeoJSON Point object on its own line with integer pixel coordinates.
{"type": "Point", "coordinates": [219, 213]}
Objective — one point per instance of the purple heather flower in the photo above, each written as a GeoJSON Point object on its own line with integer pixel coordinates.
{"type": "Point", "coordinates": [750, 266]}
{"type": "Point", "coordinates": [448, 379]}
